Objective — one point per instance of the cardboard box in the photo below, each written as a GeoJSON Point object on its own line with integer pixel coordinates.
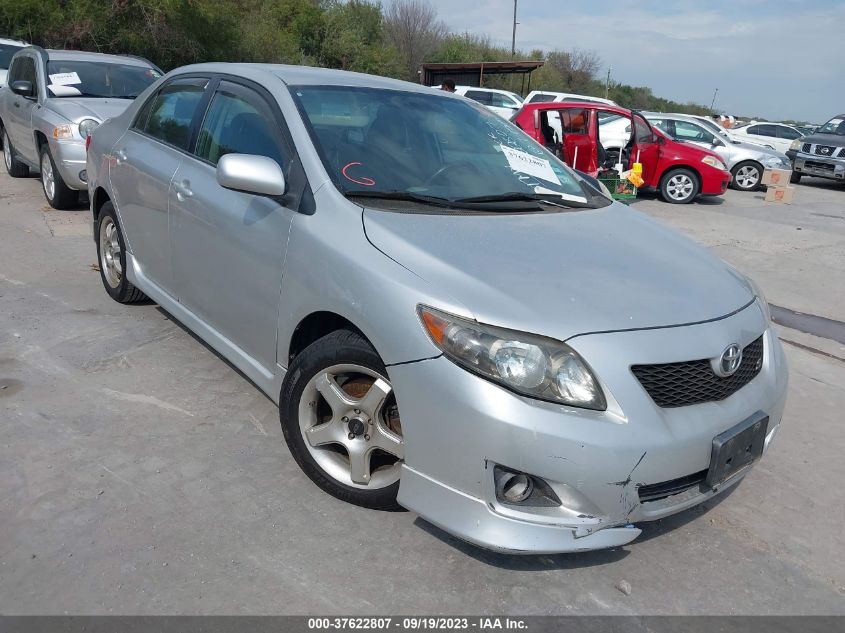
{"type": "Point", "coordinates": [776, 177]}
{"type": "Point", "coordinates": [780, 194]}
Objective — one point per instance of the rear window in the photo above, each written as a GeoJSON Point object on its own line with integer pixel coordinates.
{"type": "Point", "coordinates": [6, 52]}
{"type": "Point", "coordinates": [542, 99]}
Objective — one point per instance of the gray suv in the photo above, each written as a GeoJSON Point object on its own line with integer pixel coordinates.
{"type": "Point", "coordinates": [52, 101]}
{"type": "Point", "coordinates": [822, 154]}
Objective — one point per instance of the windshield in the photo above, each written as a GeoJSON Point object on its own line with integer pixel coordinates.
{"type": "Point", "coordinates": [376, 141]}
{"type": "Point", "coordinates": [97, 79]}
{"type": "Point", "coordinates": [6, 53]}
{"type": "Point", "coordinates": [834, 126]}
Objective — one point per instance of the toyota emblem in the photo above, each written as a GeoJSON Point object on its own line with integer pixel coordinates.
{"type": "Point", "coordinates": [729, 361]}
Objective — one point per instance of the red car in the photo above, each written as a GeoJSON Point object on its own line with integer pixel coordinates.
{"type": "Point", "coordinates": [680, 171]}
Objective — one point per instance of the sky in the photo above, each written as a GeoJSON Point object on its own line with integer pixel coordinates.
{"type": "Point", "coordinates": [775, 59]}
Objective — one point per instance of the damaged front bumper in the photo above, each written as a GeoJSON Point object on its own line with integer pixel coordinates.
{"type": "Point", "coordinates": [460, 427]}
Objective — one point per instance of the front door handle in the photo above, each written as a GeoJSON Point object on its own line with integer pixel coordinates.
{"type": "Point", "coordinates": [183, 190]}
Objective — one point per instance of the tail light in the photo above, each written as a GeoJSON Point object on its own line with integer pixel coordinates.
{"type": "Point", "coordinates": [88, 142]}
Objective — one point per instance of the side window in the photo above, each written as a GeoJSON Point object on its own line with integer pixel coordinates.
{"type": "Point", "coordinates": [575, 121]}
{"type": "Point", "coordinates": [172, 111]}
{"type": "Point", "coordinates": [501, 101]}
{"type": "Point", "coordinates": [685, 131]}
{"type": "Point", "coordinates": [23, 70]}
{"type": "Point", "coordinates": [788, 133]}
{"type": "Point", "coordinates": [14, 71]}
{"type": "Point", "coordinates": [541, 98]}
{"type": "Point", "coordinates": [480, 96]}
{"type": "Point", "coordinates": [663, 124]}
{"type": "Point", "coordinates": [642, 131]}
{"type": "Point", "coordinates": [239, 121]}
{"type": "Point", "coordinates": [763, 130]}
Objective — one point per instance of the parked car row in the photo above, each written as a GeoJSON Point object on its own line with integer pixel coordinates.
{"type": "Point", "coordinates": [450, 319]}
{"type": "Point", "coordinates": [8, 47]}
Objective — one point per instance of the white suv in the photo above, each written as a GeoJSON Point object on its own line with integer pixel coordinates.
{"type": "Point", "coordinates": [8, 47]}
{"type": "Point", "coordinates": [502, 102]}
{"type": "Point", "coordinates": [544, 96]}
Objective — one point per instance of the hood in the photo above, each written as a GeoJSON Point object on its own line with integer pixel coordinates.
{"type": "Point", "coordinates": [78, 109]}
{"type": "Point", "coordinates": [751, 147]}
{"type": "Point", "coordinates": [825, 139]}
{"type": "Point", "coordinates": [563, 274]}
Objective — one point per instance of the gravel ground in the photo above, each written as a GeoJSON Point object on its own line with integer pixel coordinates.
{"type": "Point", "coordinates": [142, 474]}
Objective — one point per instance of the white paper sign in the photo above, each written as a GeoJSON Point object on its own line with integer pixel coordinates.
{"type": "Point", "coordinates": [64, 91]}
{"type": "Point", "coordinates": [65, 79]}
{"type": "Point", "coordinates": [531, 165]}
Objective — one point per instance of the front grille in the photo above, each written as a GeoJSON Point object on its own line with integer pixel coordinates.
{"type": "Point", "coordinates": [694, 382]}
{"type": "Point", "coordinates": [805, 148]}
{"type": "Point", "coordinates": [656, 492]}
{"type": "Point", "coordinates": [814, 164]}
{"type": "Point", "coordinates": [824, 150]}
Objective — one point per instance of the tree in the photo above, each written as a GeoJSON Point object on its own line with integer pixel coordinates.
{"type": "Point", "coordinates": [413, 29]}
{"type": "Point", "coordinates": [577, 68]}
{"type": "Point", "coordinates": [354, 39]}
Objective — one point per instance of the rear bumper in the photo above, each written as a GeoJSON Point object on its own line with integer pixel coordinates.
{"type": "Point", "coordinates": [459, 427]}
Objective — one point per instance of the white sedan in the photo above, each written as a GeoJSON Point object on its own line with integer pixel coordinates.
{"type": "Point", "coordinates": [774, 135]}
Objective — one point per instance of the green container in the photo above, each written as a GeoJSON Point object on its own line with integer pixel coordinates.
{"type": "Point", "coordinates": [620, 189]}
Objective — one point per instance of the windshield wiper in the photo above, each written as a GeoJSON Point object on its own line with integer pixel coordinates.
{"type": "Point", "coordinates": [406, 196]}
{"type": "Point", "coordinates": [517, 196]}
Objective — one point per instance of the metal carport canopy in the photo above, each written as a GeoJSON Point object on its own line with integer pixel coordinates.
{"type": "Point", "coordinates": [472, 74]}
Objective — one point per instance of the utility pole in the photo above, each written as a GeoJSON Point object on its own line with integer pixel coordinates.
{"type": "Point", "coordinates": [513, 39]}
{"type": "Point", "coordinates": [607, 82]}
{"type": "Point", "coordinates": [714, 101]}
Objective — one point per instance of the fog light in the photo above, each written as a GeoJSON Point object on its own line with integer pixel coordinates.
{"type": "Point", "coordinates": [517, 488]}
{"type": "Point", "coordinates": [83, 175]}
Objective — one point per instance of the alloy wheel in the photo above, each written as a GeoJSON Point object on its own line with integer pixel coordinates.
{"type": "Point", "coordinates": [350, 423]}
{"type": "Point", "coordinates": [110, 252]}
{"type": "Point", "coordinates": [680, 187]}
{"type": "Point", "coordinates": [47, 177]}
{"type": "Point", "coordinates": [747, 177]}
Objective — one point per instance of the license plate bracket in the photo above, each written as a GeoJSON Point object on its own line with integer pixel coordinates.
{"type": "Point", "coordinates": [737, 448]}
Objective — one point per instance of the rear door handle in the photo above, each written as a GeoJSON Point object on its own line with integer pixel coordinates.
{"type": "Point", "coordinates": [183, 190]}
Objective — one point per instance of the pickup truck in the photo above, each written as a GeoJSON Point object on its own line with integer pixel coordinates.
{"type": "Point", "coordinates": [52, 101]}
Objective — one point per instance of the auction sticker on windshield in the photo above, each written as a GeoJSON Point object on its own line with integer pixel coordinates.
{"type": "Point", "coordinates": [65, 79]}
{"type": "Point", "coordinates": [531, 165]}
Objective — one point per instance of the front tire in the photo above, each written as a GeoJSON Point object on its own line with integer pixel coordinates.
{"type": "Point", "coordinates": [14, 167]}
{"type": "Point", "coordinates": [58, 194]}
{"type": "Point", "coordinates": [341, 423]}
{"type": "Point", "coordinates": [679, 186]}
{"type": "Point", "coordinates": [111, 254]}
{"type": "Point", "coordinates": [746, 176]}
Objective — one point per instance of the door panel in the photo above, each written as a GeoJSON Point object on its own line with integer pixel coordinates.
{"type": "Point", "coordinates": [19, 113]}
{"type": "Point", "coordinates": [645, 149]}
{"type": "Point", "coordinates": [229, 246]}
{"type": "Point", "coordinates": [145, 160]}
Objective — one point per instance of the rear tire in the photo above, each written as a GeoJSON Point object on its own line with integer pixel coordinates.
{"type": "Point", "coordinates": [795, 177]}
{"type": "Point", "coordinates": [111, 255]}
{"type": "Point", "coordinates": [679, 186]}
{"type": "Point", "coordinates": [58, 194]}
{"type": "Point", "coordinates": [336, 383]}
{"type": "Point", "coordinates": [746, 176]}
{"type": "Point", "coordinates": [14, 167]}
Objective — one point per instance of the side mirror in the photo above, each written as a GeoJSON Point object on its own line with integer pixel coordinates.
{"type": "Point", "coordinates": [23, 88]}
{"type": "Point", "coordinates": [252, 174]}
{"type": "Point", "coordinates": [717, 143]}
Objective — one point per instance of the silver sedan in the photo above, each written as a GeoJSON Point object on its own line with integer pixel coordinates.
{"type": "Point", "coordinates": [746, 161]}
{"type": "Point", "coordinates": [450, 319]}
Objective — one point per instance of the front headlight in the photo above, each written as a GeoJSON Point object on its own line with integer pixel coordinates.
{"type": "Point", "coordinates": [714, 162]}
{"type": "Point", "coordinates": [86, 126]}
{"type": "Point", "coordinates": [530, 365]}
{"type": "Point", "coordinates": [777, 162]}
{"type": "Point", "coordinates": [796, 144]}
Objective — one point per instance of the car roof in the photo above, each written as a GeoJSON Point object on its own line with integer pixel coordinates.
{"type": "Point", "coordinates": [485, 89]}
{"type": "Point", "coordinates": [596, 105]}
{"type": "Point", "coordinates": [308, 76]}
{"type": "Point", "coordinates": [13, 41]}
{"type": "Point", "coordinates": [87, 56]}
